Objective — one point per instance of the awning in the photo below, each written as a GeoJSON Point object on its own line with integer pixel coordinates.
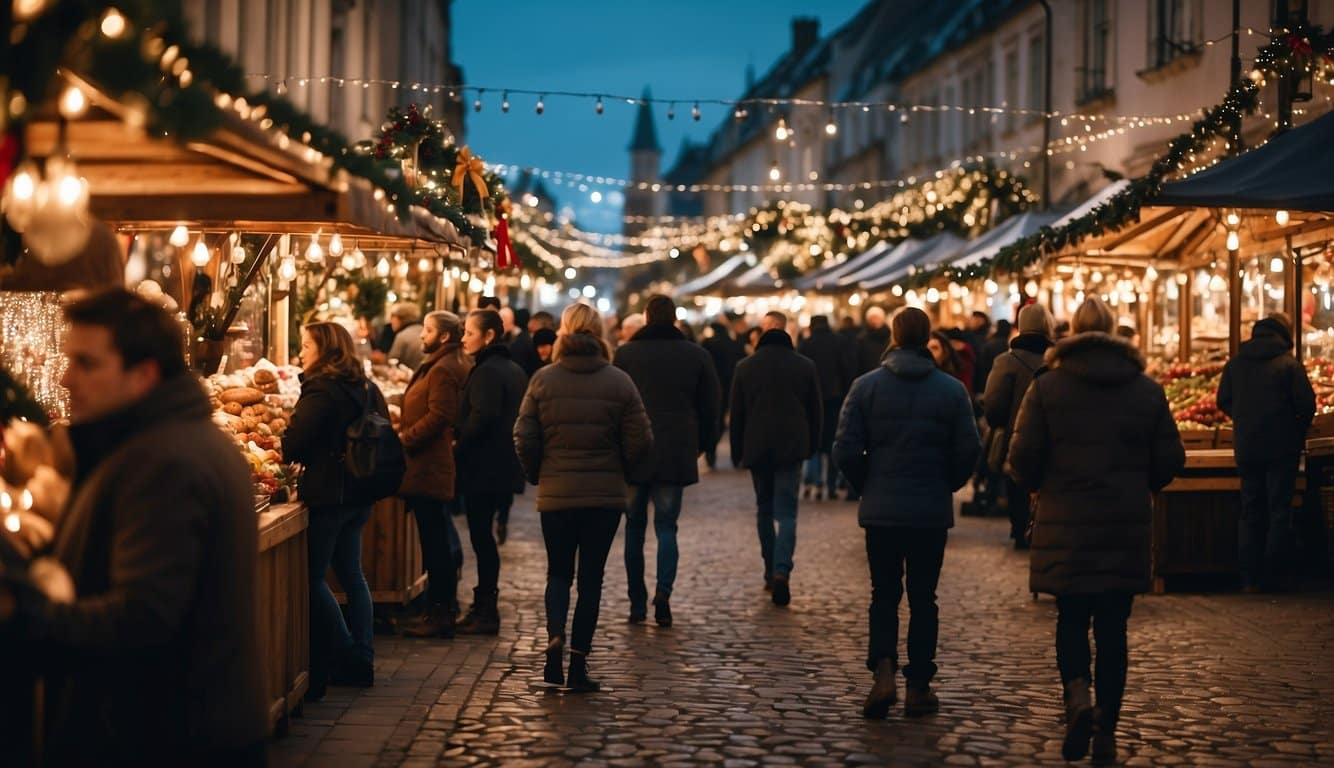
{"type": "Point", "coordinates": [829, 275]}
{"type": "Point", "coordinates": [710, 280]}
{"type": "Point", "coordinates": [941, 249]}
{"type": "Point", "coordinates": [1009, 231]}
{"type": "Point", "coordinates": [1294, 171]}
{"type": "Point", "coordinates": [886, 262]}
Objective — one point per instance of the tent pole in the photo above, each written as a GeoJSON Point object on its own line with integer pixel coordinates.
{"type": "Point", "coordinates": [1233, 305]}
{"type": "Point", "coordinates": [1297, 295]}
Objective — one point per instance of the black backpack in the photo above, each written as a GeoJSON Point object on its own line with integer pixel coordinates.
{"type": "Point", "coordinates": [373, 460]}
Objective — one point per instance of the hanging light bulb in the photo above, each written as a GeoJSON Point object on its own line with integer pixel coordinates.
{"type": "Point", "coordinates": [671, 111]}
{"type": "Point", "coordinates": [1217, 283]}
{"type": "Point", "coordinates": [1233, 220]}
{"type": "Point", "coordinates": [831, 128]}
{"type": "Point", "coordinates": [423, 264]}
{"type": "Point", "coordinates": [349, 262]}
{"type": "Point", "coordinates": [1173, 292]}
{"type": "Point", "coordinates": [1233, 240]}
{"type": "Point", "coordinates": [382, 267]}
{"type": "Point", "coordinates": [570, 273]}
{"type": "Point", "coordinates": [1276, 265]}
{"type": "Point", "coordinates": [1031, 287]}
{"type": "Point", "coordinates": [505, 102]}
{"type": "Point", "coordinates": [336, 245]}
{"type": "Point", "coordinates": [694, 113]}
{"type": "Point", "coordinates": [897, 290]}
{"type": "Point", "coordinates": [781, 132]}
{"type": "Point", "coordinates": [477, 103]}
{"type": "Point", "coordinates": [932, 295]}
{"type": "Point", "coordinates": [73, 102]}
{"type": "Point", "coordinates": [991, 287]}
{"type": "Point", "coordinates": [774, 173]}
{"type": "Point", "coordinates": [200, 256]}
{"type": "Point", "coordinates": [287, 270]}
{"type": "Point", "coordinates": [1281, 217]}
{"type": "Point", "coordinates": [1096, 277]}
{"type": "Point", "coordinates": [525, 281]}
{"type": "Point", "coordinates": [1150, 274]}
{"type": "Point", "coordinates": [113, 24]}
{"type": "Point", "coordinates": [540, 106]}
{"type": "Point", "coordinates": [314, 253]}
{"type": "Point", "coordinates": [358, 257]}
{"type": "Point", "coordinates": [598, 106]}
{"type": "Point", "coordinates": [180, 236]}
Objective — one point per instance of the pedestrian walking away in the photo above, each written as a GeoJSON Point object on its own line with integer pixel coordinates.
{"type": "Point", "coordinates": [427, 429]}
{"type": "Point", "coordinates": [1011, 374]}
{"type": "Point", "coordinates": [334, 393]}
{"type": "Point", "coordinates": [873, 341]}
{"type": "Point", "coordinates": [676, 380]}
{"type": "Point", "coordinates": [906, 442]}
{"type": "Point", "coordinates": [833, 356]}
{"type": "Point", "coordinates": [488, 470]}
{"type": "Point", "coordinates": [155, 658]}
{"type": "Point", "coordinates": [726, 352]}
{"type": "Point", "coordinates": [776, 423]}
{"type": "Point", "coordinates": [1093, 439]}
{"type": "Point", "coordinates": [581, 431]}
{"type": "Point", "coordinates": [1269, 397]}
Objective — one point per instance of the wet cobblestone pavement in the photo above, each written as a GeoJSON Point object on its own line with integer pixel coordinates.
{"type": "Point", "coordinates": [1215, 680]}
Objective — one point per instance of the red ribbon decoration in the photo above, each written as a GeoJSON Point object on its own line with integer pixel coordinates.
{"type": "Point", "coordinates": [1299, 45]}
{"type": "Point", "coordinates": [505, 257]}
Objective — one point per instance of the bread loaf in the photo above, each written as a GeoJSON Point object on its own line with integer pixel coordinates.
{"type": "Point", "coordinates": [242, 395]}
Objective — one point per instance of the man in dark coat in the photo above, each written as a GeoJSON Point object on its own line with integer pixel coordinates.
{"type": "Point", "coordinates": [676, 380]}
{"type": "Point", "coordinates": [976, 335]}
{"type": "Point", "coordinates": [156, 662]}
{"type": "Point", "coordinates": [907, 441]}
{"type": "Point", "coordinates": [726, 352]}
{"type": "Point", "coordinates": [995, 346]}
{"type": "Point", "coordinates": [1269, 397]}
{"type": "Point", "coordinates": [1094, 438]}
{"type": "Point", "coordinates": [776, 412]}
{"type": "Point", "coordinates": [834, 364]}
{"type": "Point", "coordinates": [873, 341]}
{"type": "Point", "coordinates": [522, 351]}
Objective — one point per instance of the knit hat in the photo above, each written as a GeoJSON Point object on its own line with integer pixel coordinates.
{"type": "Point", "coordinates": [1034, 318]}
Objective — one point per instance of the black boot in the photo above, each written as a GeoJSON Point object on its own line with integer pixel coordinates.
{"type": "Point", "coordinates": [662, 610]}
{"type": "Point", "coordinates": [884, 693]}
{"type": "Point", "coordinates": [579, 681]}
{"type": "Point", "coordinates": [484, 616]}
{"type": "Point", "coordinates": [1104, 737]}
{"type": "Point", "coordinates": [1078, 719]}
{"type": "Point", "coordinates": [782, 592]}
{"type": "Point", "coordinates": [554, 671]}
{"type": "Point", "coordinates": [438, 621]}
{"type": "Point", "coordinates": [352, 670]}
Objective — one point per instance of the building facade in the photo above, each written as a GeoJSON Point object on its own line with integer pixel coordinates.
{"type": "Point", "coordinates": [311, 50]}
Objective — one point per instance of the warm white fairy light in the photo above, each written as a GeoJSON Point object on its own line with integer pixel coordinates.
{"type": "Point", "coordinates": [336, 245]}
{"type": "Point", "coordinates": [1281, 218]}
{"type": "Point", "coordinates": [113, 23]}
{"type": "Point", "coordinates": [180, 236]}
{"type": "Point", "coordinates": [200, 255]}
{"type": "Point", "coordinates": [73, 102]}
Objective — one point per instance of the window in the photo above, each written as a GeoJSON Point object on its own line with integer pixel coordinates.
{"type": "Point", "coordinates": [1037, 66]}
{"type": "Point", "coordinates": [1175, 29]}
{"type": "Point", "coordinates": [1094, 80]}
{"type": "Point", "coordinates": [1011, 100]}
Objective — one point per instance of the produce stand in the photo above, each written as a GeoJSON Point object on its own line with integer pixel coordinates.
{"type": "Point", "coordinates": [284, 611]}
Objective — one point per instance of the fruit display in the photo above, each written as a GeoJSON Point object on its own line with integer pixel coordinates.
{"type": "Point", "coordinates": [254, 406]}
{"type": "Point", "coordinates": [1321, 372]}
{"type": "Point", "coordinates": [1192, 394]}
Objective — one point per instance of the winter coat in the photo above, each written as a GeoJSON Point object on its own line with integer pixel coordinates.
{"type": "Point", "coordinates": [871, 347]}
{"type": "Point", "coordinates": [726, 353]}
{"type": "Point", "coordinates": [992, 348]}
{"type": "Point", "coordinates": [157, 661]}
{"type": "Point", "coordinates": [776, 405]}
{"type": "Point", "coordinates": [1094, 438]}
{"type": "Point", "coordinates": [484, 453]}
{"type": "Point", "coordinates": [407, 347]}
{"type": "Point", "coordinates": [679, 387]}
{"type": "Point", "coordinates": [317, 435]}
{"type": "Point", "coordinates": [1269, 397]}
{"type": "Point", "coordinates": [1010, 376]}
{"type": "Point", "coordinates": [430, 418]}
{"type": "Point", "coordinates": [907, 441]}
{"type": "Point", "coordinates": [523, 353]}
{"type": "Point", "coordinates": [581, 430]}
{"type": "Point", "coordinates": [833, 359]}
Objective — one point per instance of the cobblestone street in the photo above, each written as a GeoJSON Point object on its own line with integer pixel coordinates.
{"type": "Point", "coordinates": [1218, 680]}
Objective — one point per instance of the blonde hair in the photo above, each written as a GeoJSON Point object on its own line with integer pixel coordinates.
{"type": "Point", "coordinates": [580, 319]}
{"type": "Point", "coordinates": [1093, 315]}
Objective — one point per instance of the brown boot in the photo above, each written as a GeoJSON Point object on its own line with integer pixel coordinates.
{"type": "Point", "coordinates": [483, 618]}
{"type": "Point", "coordinates": [1104, 737]}
{"type": "Point", "coordinates": [1078, 720]}
{"type": "Point", "coordinates": [438, 621]}
{"type": "Point", "coordinates": [884, 693]}
{"type": "Point", "coordinates": [918, 700]}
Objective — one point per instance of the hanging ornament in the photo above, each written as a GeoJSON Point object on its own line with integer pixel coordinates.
{"type": "Point", "coordinates": [505, 257]}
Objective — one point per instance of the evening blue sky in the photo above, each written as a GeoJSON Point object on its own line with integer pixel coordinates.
{"type": "Point", "coordinates": [683, 50]}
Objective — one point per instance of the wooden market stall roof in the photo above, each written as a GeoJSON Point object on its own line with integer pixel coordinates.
{"type": "Point", "coordinates": [239, 177]}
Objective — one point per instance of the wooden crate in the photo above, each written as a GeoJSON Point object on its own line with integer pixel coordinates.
{"type": "Point", "coordinates": [391, 555]}
{"type": "Point", "coordinates": [1196, 439]}
{"type": "Point", "coordinates": [284, 611]}
{"type": "Point", "coordinates": [1195, 528]}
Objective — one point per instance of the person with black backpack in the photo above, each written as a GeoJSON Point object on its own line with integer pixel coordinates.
{"type": "Point", "coordinates": [488, 469]}
{"type": "Point", "coordinates": [340, 432]}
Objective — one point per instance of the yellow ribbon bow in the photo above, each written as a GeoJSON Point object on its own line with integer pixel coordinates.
{"type": "Point", "coordinates": [469, 167]}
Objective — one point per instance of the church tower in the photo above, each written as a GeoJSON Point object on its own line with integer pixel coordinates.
{"type": "Point", "coordinates": [645, 161]}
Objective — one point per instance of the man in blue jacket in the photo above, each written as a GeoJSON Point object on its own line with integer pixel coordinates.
{"type": "Point", "coordinates": [906, 442]}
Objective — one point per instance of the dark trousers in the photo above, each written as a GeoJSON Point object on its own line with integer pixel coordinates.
{"type": "Point", "coordinates": [584, 535]}
{"type": "Point", "coordinates": [776, 503]}
{"type": "Point", "coordinates": [666, 511]}
{"type": "Point", "coordinates": [1017, 498]}
{"type": "Point", "coordinates": [433, 529]}
{"type": "Point", "coordinates": [1265, 532]}
{"type": "Point", "coordinates": [480, 506]}
{"type": "Point", "coordinates": [888, 551]}
{"type": "Point", "coordinates": [333, 539]}
{"type": "Point", "coordinates": [1109, 614]}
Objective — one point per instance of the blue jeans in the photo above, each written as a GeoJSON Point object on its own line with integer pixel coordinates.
{"type": "Point", "coordinates": [334, 540]}
{"type": "Point", "coordinates": [1265, 533]}
{"type": "Point", "coordinates": [666, 511]}
{"type": "Point", "coordinates": [776, 502]}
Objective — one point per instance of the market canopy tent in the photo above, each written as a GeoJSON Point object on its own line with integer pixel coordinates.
{"type": "Point", "coordinates": [828, 275]}
{"type": "Point", "coordinates": [1011, 230]}
{"type": "Point", "coordinates": [710, 280]}
{"type": "Point", "coordinates": [886, 261]}
{"type": "Point", "coordinates": [939, 249]}
{"type": "Point", "coordinates": [1294, 171]}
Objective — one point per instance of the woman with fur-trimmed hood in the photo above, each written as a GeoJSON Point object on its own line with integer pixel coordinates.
{"type": "Point", "coordinates": [1094, 438]}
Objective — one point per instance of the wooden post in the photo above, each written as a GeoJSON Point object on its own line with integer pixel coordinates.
{"type": "Point", "coordinates": [1298, 295]}
{"type": "Point", "coordinates": [280, 313]}
{"type": "Point", "coordinates": [1184, 300]}
{"type": "Point", "coordinates": [1233, 305]}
